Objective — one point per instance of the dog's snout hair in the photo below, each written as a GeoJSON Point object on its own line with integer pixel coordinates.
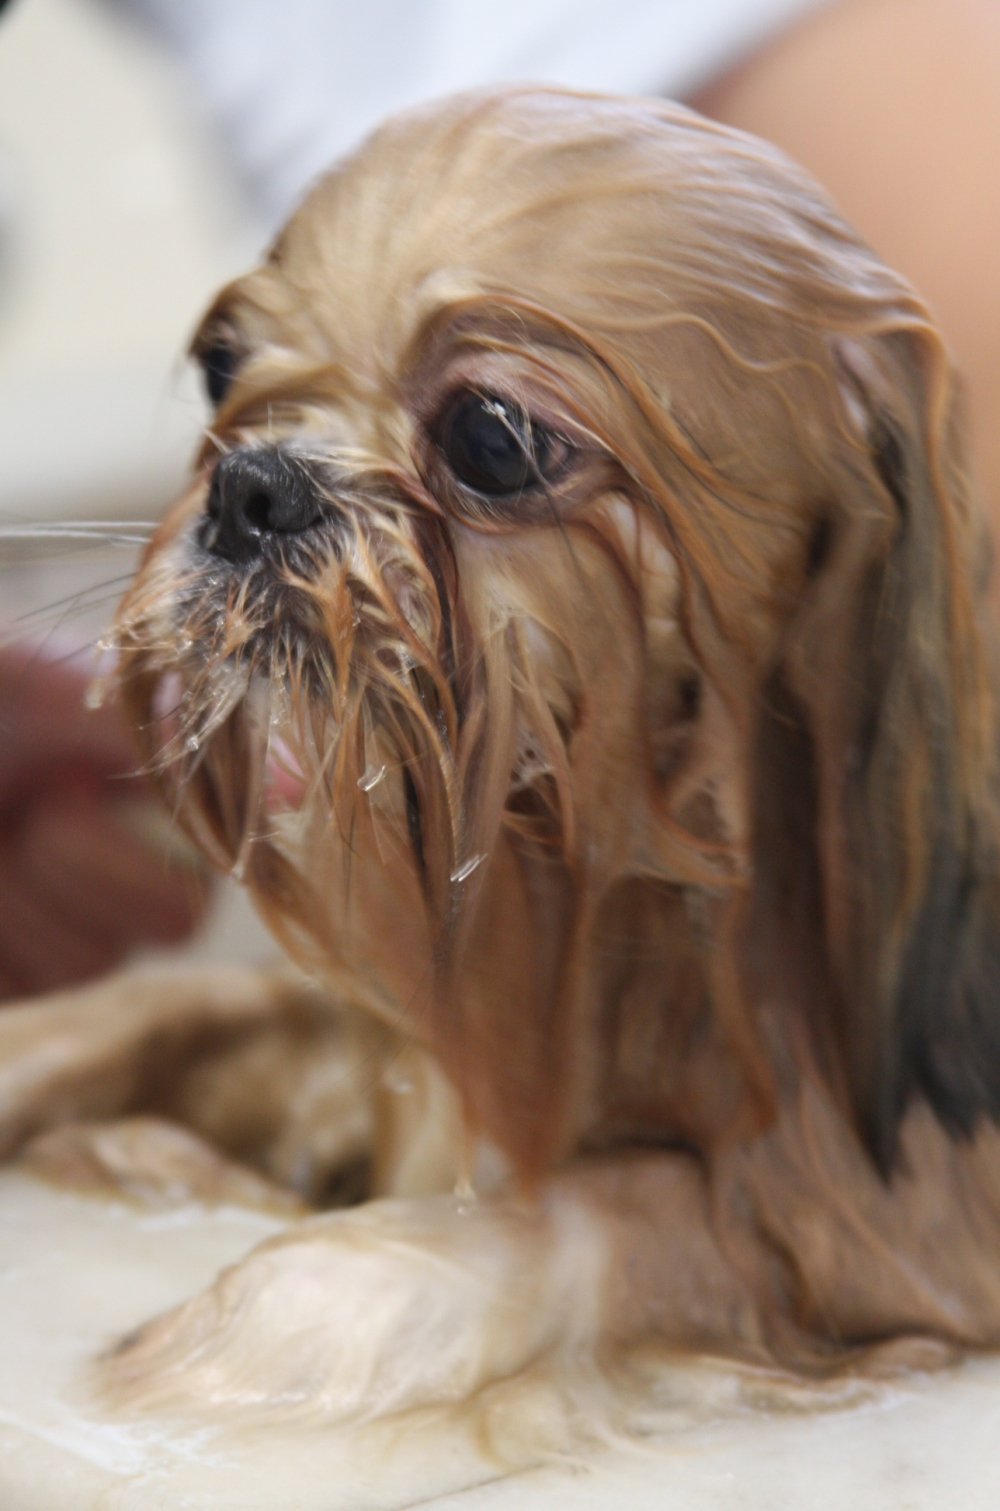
{"type": "Point", "coordinates": [644, 746]}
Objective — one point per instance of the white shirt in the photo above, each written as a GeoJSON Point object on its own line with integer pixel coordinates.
{"type": "Point", "coordinates": [292, 84]}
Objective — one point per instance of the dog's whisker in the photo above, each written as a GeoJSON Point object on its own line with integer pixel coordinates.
{"type": "Point", "coordinates": [52, 541]}
{"type": "Point", "coordinates": [84, 533]}
{"type": "Point", "coordinates": [94, 596]}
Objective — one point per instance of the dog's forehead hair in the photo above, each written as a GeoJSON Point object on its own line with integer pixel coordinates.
{"type": "Point", "coordinates": [653, 235]}
{"type": "Point", "coordinates": [695, 285]}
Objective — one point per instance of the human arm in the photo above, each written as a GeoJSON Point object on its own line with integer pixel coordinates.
{"type": "Point", "coordinates": [78, 888]}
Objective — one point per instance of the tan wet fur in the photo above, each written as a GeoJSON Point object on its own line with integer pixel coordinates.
{"type": "Point", "coordinates": [656, 805]}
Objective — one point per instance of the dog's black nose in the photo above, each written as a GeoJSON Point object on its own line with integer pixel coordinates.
{"type": "Point", "coordinates": [257, 494]}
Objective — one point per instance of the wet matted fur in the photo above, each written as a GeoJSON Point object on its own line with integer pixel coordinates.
{"type": "Point", "coordinates": [655, 797]}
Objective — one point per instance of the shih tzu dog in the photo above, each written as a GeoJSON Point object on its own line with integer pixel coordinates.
{"type": "Point", "coordinates": [572, 636]}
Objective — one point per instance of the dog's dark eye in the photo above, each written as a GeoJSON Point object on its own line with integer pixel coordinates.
{"type": "Point", "coordinates": [492, 446]}
{"type": "Point", "coordinates": [218, 365]}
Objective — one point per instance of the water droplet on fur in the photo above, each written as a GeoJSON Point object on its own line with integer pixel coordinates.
{"type": "Point", "coordinates": [466, 869]}
{"type": "Point", "coordinates": [370, 777]}
{"type": "Point", "coordinates": [192, 744]}
{"type": "Point", "coordinates": [302, 1170]}
{"type": "Point", "coordinates": [465, 1196]}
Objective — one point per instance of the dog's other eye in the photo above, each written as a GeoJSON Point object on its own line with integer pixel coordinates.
{"type": "Point", "coordinates": [492, 446]}
{"type": "Point", "coordinates": [218, 365]}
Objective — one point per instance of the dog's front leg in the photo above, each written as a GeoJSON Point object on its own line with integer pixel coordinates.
{"type": "Point", "coordinates": [402, 1304]}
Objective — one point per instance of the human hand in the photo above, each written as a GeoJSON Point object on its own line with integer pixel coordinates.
{"type": "Point", "coordinates": [79, 888]}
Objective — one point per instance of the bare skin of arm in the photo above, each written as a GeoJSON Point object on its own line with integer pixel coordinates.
{"type": "Point", "coordinates": [894, 105]}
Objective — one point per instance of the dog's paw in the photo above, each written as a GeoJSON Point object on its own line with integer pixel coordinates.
{"type": "Point", "coordinates": [388, 1307]}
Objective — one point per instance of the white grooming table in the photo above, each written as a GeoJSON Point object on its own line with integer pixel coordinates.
{"type": "Point", "coordinates": [77, 1271]}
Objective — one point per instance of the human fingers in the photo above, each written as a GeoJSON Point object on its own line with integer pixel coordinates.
{"type": "Point", "coordinates": [41, 951]}
{"type": "Point", "coordinates": [94, 873]}
{"type": "Point", "coordinates": [45, 722]}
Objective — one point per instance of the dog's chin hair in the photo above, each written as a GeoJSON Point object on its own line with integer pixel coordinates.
{"type": "Point", "coordinates": [337, 662]}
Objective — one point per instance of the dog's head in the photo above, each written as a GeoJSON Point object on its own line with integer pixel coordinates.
{"type": "Point", "coordinates": [570, 636]}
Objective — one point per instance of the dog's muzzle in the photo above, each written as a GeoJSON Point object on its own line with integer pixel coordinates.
{"type": "Point", "coordinates": [258, 496]}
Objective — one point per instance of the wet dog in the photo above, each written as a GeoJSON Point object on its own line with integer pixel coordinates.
{"type": "Point", "coordinates": [572, 636]}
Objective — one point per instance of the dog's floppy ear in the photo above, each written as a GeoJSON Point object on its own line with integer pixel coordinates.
{"type": "Point", "coordinates": [883, 703]}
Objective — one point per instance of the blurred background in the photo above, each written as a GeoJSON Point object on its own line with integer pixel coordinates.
{"type": "Point", "coordinates": [118, 220]}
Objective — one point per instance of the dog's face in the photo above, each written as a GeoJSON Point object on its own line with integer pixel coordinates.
{"type": "Point", "coordinates": [566, 632]}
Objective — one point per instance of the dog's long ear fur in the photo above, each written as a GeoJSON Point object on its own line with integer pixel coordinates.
{"type": "Point", "coordinates": [882, 718]}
